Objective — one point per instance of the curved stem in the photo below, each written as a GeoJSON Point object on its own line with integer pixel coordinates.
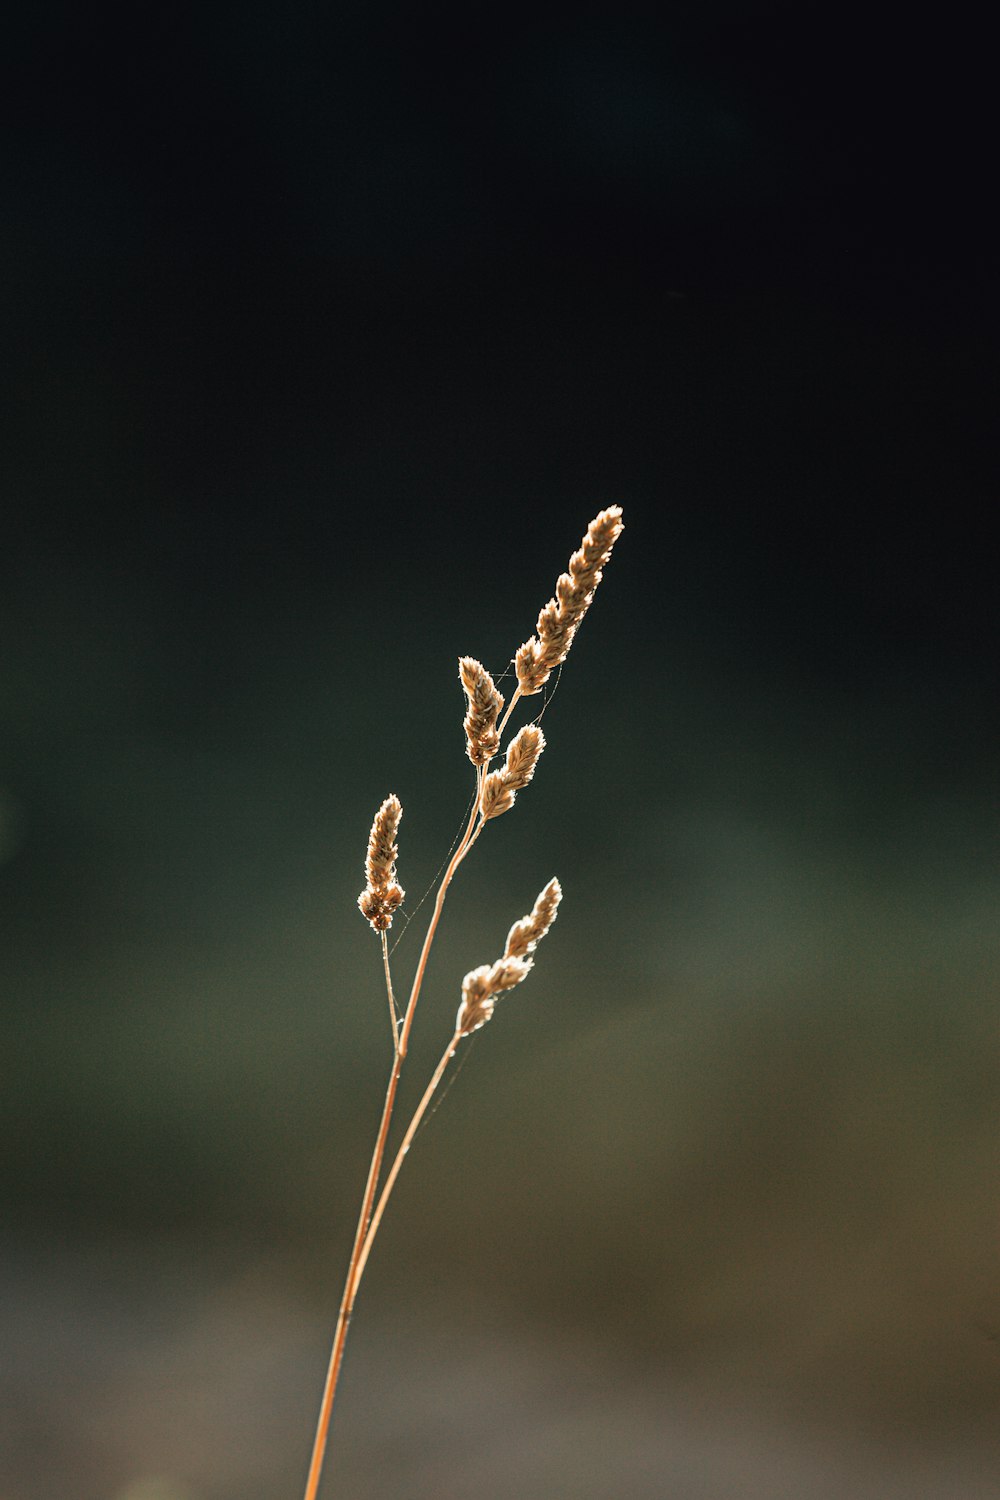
{"type": "Point", "coordinates": [510, 709]}
{"type": "Point", "coordinates": [357, 1262]}
{"type": "Point", "coordinates": [364, 1233]}
{"type": "Point", "coordinates": [351, 1286]}
{"type": "Point", "coordinates": [405, 1145]}
{"type": "Point", "coordinates": [465, 844]}
{"type": "Point", "coordinates": [456, 859]}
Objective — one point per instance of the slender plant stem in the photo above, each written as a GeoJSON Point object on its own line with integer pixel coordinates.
{"type": "Point", "coordinates": [351, 1286]}
{"type": "Point", "coordinates": [466, 843]}
{"type": "Point", "coordinates": [510, 709]}
{"type": "Point", "coordinates": [353, 1271]}
{"type": "Point", "coordinates": [367, 1224]}
{"type": "Point", "coordinates": [418, 978]}
{"type": "Point", "coordinates": [393, 1017]}
{"type": "Point", "coordinates": [405, 1145]}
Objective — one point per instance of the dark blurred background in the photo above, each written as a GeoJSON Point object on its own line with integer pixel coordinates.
{"type": "Point", "coordinates": [326, 329]}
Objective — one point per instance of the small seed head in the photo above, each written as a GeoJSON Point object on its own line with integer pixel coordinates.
{"type": "Point", "coordinates": [501, 787]}
{"type": "Point", "coordinates": [560, 619]}
{"type": "Point", "coordinates": [525, 935]}
{"type": "Point", "coordinates": [480, 988]}
{"type": "Point", "coordinates": [485, 706]}
{"type": "Point", "coordinates": [382, 895]}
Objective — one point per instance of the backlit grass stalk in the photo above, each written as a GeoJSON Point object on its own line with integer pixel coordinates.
{"type": "Point", "coordinates": [496, 792]}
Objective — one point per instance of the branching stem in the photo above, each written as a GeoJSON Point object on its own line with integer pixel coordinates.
{"type": "Point", "coordinates": [557, 626]}
{"type": "Point", "coordinates": [405, 1145]}
{"type": "Point", "coordinates": [367, 1222]}
{"type": "Point", "coordinates": [357, 1260]}
{"type": "Point", "coordinates": [351, 1286]}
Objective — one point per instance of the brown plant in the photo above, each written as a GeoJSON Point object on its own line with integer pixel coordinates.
{"type": "Point", "coordinates": [495, 794]}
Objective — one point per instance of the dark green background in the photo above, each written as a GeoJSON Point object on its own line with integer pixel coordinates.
{"type": "Point", "coordinates": [326, 329]}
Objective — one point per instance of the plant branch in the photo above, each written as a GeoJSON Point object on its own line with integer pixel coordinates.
{"type": "Point", "coordinates": [405, 1145]}
{"type": "Point", "coordinates": [464, 845]}
{"type": "Point", "coordinates": [357, 1262]}
{"type": "Point", "coordinates": [510, 709]}
{"type": "Point", "coordinates": [351, 1286]}
{"type": "Point", "coordinates": [393, 1016]}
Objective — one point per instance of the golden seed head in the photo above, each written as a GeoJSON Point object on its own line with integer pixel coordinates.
{"type": "Point", "coordinates": [383, 850]}
{"type": "Point", "coordinates": [524, 937]}
{"type": "Point", "coordinates": [472, 1014]}
{"type": "Point", "coordinates": [485, 706]}
{"type": "Point", "coordinates": [500, 787]}
{"type": "Point", "coordinates": [560, 618]}
{"type": "Point", "coordinates": [377, 907]}
{"type": "Point", "coordinates": [497, 796]}
{"type": "Point", "coordinates": [522, 755]}
{"type": "Point", "coordinates": [382, 895]}
{"type": "Point", "coordinates": [480, 988]}
{"type": "Point", "coordinates": [530, 676]}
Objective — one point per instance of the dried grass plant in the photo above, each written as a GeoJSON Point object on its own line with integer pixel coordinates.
{"type": "Point", "coordinates": [495, 794]}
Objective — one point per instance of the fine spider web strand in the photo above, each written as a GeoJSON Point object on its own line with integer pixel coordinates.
{"type": "Point", "coordinates": [467, 817]}
{"type": "Point", "coordinates": [502, 676]}
{"type": "Point", "coordinates": [464, 845]}
{"type": "Point", "coordinates": [449, 1084]}
{"type": "Point", "coordinates": [408, 917]}
{"type": "Point", "coordinates": [549, 694]}
{"type": "Point", "coordinates": [421, 1118]}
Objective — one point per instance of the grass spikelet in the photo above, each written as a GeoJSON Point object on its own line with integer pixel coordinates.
{"type": "Point", "coordinates": [480, 988]}
{"type": "Point", "coordinates": [524, 937]}
{"type": "Point", "coordinates": [560, 618]}
{"type": "Point", "coordinates": [500, 787]}
{"type": "Point", "coordinates": [382, 895]}
{"type": "Point", "coordinates": [485, 706]}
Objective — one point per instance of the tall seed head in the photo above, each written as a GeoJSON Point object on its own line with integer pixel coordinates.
{"type": "Point", "coordinates": [481, 986]}
{"type": "Point", "coordinates": [383, 851]}
{"type": "Point", "coordinates": [485, 706]}
{"type": "Point", "coordinates": [382, 895]}
{"type": "Point", "coordinates": [560, 619]}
